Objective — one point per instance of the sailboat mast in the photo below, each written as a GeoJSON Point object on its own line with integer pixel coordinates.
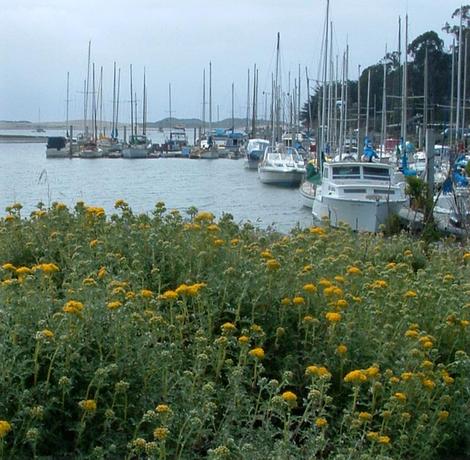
{"type": "Point", "coordinates": [144, 109]}
{"type": "Point", "coordinates": [458, 134]}
{"type": "Point", "coordinates": [367, 104]}
{"type": "Point", "coordinates": [67, 108]}
{"type": "Point", "coordinates": [100, 95]}
{"type": "Point", "coordinates": [321, 151]}
{"type": "Point", "coordinates": [404, 90]}
{"type": "Point", "coordinates": [117, 103]}
{"type": "Point", "coordinates": [113, 128]}
{"type": "Point", "coordinates": [210, 98]}
{"type": "Point", "coordinates": [169, 101]}
{"type": "Point", "coordinates": [204, 101]}
{"type": "Point", "coordinates": [87, 86]}
{"type": "Point", "coordinates": [247, 124]}
{"type": "Point", "coordinates": [233, 116]}
{"type": "Point", "coordinates": [464, 83]}
{"type": "Point", "coordinates": [426, 91]}
{"type": "Point", "coordinates": [255, 101]}
{"type": "Point", "coordinates": [451, 124]}
{"type": "Point", "coordinates": [94, 108]}
{"type": "Point", "coordinates": [358, 139]}
{"type": "Point", "coordinates": [132, 103]}
{"type": "Point", "coordinates": [384, 106]}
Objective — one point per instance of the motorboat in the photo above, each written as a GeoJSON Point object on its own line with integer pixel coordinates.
{"type": "Point", "coordinates": [90, 150]}
{"type": "Point", "coordinates": [254, 152]}
{"type": "Point", "coordinates": [57, 147]}
{"type": "Point", "coordinates": [281, 166]}
{"type": "Point", "coordinates": [360, 194]}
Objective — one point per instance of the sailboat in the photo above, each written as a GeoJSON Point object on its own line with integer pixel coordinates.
{"type": "Point", "coordinates": [139, 145]}
{"type": "Point", "coordinates": [280, 165]}
{"type": "Point", "coordinates": [177, 138]}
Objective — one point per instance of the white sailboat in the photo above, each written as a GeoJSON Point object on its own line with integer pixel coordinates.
{"type": "Point", "coordinates": [280, 165]}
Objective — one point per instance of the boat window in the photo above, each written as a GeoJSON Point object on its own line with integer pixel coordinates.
{"type": "Point", "coordinates": [384, 192]}
{"type": "Point", "coordinates": [376, 173]}
{"type": "Point", "coordinates": [325, 173]}
{"type": "Point", "coordinates": [346, 172]}
{"type": "Point", "coordinates": [354, 190]}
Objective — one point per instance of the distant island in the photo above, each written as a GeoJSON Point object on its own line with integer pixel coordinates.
{"type": "Point", "coordinates": [240, 123]}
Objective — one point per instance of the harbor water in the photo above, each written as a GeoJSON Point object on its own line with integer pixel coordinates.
{"type": "Point", "coordinates": [218, 186]}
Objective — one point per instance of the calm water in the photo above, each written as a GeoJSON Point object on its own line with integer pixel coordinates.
{"type": "Point", "coordinates": [26, 176]}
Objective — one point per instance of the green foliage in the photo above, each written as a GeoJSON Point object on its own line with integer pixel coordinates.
{"type": "Point", "coordinates": [159, 336]}
{"type": "Point", "coordinates": [416, 190]}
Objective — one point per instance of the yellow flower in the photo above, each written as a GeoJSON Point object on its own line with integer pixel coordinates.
{"type": "Point", "coordinates": [89, 282]}
{"type": "Point", "coordinates": [394, 380]}
{"type": "Point", "coordinates": [443, 415]}
{"type": "Point", "coordinates": [204, 216]}
{"type": "Point", "coordinates": [5, 428]}
{"type": "Point", "coordinates": [310, 288]}
{"type": "Point", "coordinates": [73, 307]}
{"type": "Point", "coordinates": [355, 377]}
{"type": "Point", "coordinates": [384, 440]}
{"type": "Point", "coordinates": [257, 353]}
{"type": "Point", "coordinates": [365, 416]}
{"type": "Point", "coordinates": [407, 253]}
{"type": "Point", "coordinates": [325, 283]}
{"type": "Point", "coordinates": [333, 317]}
{"type": "Point", "coordinates": [194, 289]}
{"type": "Point", "coordinates": [120, 204]}
{"type": "Point", "coordinates": [448, 278]}
{"type": "Point", "coordinates": [373, 436]}
{"type": "Point", "coordinates": [318, 371]}
{"type": "Point", "coordinates": [391, 265]}
{"type": "Point", "coordinates": [308, 319]}
{"type": "Point", "coordinates": [464, 323]}
{"type": "Point", "coordinates": [47, 333]}
{"type": "Point", "coordinates": [147, 293]}
{"type": "Point", "coordinates": [114, 305]}
{"type": "Point", "coordinates": [429, 384]}
{"type": "Point", "coordinates": [243, 340]}
{"type": "Point", "coordinates": [213, 228]}
{"type": "Point", "coordinates": [266, 255]}
{"type": "Point", "coordinates": [160, 433]}
{"type": "Point", "coordinates": [448, 380]}
{"type": "Point", "coordinates": [321, 422]}
{"type": "Point", "coordinates": [410, 294]}
{"type": "Point", "coordinates": [228, 327]}
{"type": "Point", "coordinates": [285, 301]}
{"type": "Point", "coordinates": [379, 284]}
{"type": "Point", "coordinates": [23, 271]}
{"type": "Point", "coordinates": [341, 349]}
{"type": "Point", "coordinates": [411, 333]}
{"type": "Point", "coordinates": [88, 405]}
{"type": "Point", "coordinates": [9, 267]}
{"type": "Point", "coordinates": [406, 376]}
{"type": "Point", "coordinates": [466, 257]}
{"type": "Point", "coordinates": [354, 270]}
{"type": "Point", "coordinates": [218, 242]}
{"type": "Point", "coordinates": [273, 264]}
{"type": "Point", "coordinates": [289, 397]}
{"type": "Point", "coordinates": [400, 396]}
{"type": "Point", "coordinates": [341, 303]}
{"type": "Point", "coordinates": [102, 273]}
{"type": "Point", "coordinates": [427, 364]}
{"type": "Point", "coordinates": [298, 300]}
{"type": "Point", "coordinates": [317, 231]}
{"type": "Point", "coordinates": [234, 241]}
{"type": "Point", "coordinates": [162, 409]}
{"type": "Point", "coordinates": [372, 372]}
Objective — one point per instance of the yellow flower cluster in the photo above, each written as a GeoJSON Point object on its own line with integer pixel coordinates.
{"type": "Point", "coordinates": [160, 433]}
{"type": "Point", "coordinates": [5, 428]}
{"type": "Point", "coordinates": [318, 371]}
{"type": "Point", "coordinates": [114, 305]}
{"type": "Point", "coordinates": [95, 211]}
{"type": "Point", "coordinates": [73, 307]}
{"type": "Point", "coordinates": [379, 284]}
{"type": "Point", "coordinates": [257, 353]}
{"type": "Point", "coordinates": [46, 268]}
{"type": "Point", "coordinates": [273, 264]}
{"type": "Point", "coordinates": [353, 270]}
{"type": "Point", "coordinates": [356, 377]}
{"type": "Point", "coordinates": [289, 397]}
{"type": "Point", "coordinates": [320, 422]}
{"type": "Point", "coordinates": [333, 317]}
{"type": "Point", "coordinates": [88, 405]}
{"type": "Point", "coordinates": [228, 327]}
{"type": "Point", "coordinates": [317, 231]}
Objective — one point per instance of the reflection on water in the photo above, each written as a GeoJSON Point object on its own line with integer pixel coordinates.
{"type": "Point", "coordinates": [219, 185]}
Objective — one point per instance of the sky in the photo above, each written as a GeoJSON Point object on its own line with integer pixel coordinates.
{"type": "Point", "coordinates": [42, 40]}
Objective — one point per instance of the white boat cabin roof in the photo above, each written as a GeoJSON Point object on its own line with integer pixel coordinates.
{"type": "Point", "coordinates": [354, 171]}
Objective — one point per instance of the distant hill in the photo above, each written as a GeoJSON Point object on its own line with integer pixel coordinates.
{"type": "Point", "coordinates": [240, 123]}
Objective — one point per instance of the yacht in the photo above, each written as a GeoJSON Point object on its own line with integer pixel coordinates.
{"type": "Point", "coordinates": [91, 150]}
{"type": "Point", "coordinates": [281, 166]}
{"type": "Point", "coordinates": [359, 194]}
{"type": "Point", "coordinates": [254, 152]}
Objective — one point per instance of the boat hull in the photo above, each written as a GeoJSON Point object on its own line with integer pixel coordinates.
{"type": "Point", "coordinates": [134, 152]}
{"type": "Point", "coordinates": [307, 193]}
{"type": "Point", "coordinates": [360, 215]}
{"type": "Point", "coordinates": [280, 176]}
{"type": "Point", "coordinates": [55, 153]}
{"type": "Point", "coordinates": [91, 154]}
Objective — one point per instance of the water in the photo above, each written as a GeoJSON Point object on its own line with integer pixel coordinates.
{"type": "Point", "coordinates": [218, 186]}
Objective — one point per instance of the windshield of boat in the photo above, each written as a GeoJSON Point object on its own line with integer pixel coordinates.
{"type": "Point", "coordinates": [376, 173]}
{"type": "Point", "coordinates": [346, 172]}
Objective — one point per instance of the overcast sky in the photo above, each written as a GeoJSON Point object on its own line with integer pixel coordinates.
{"type": "Point", "coordinates": [42, 40]}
